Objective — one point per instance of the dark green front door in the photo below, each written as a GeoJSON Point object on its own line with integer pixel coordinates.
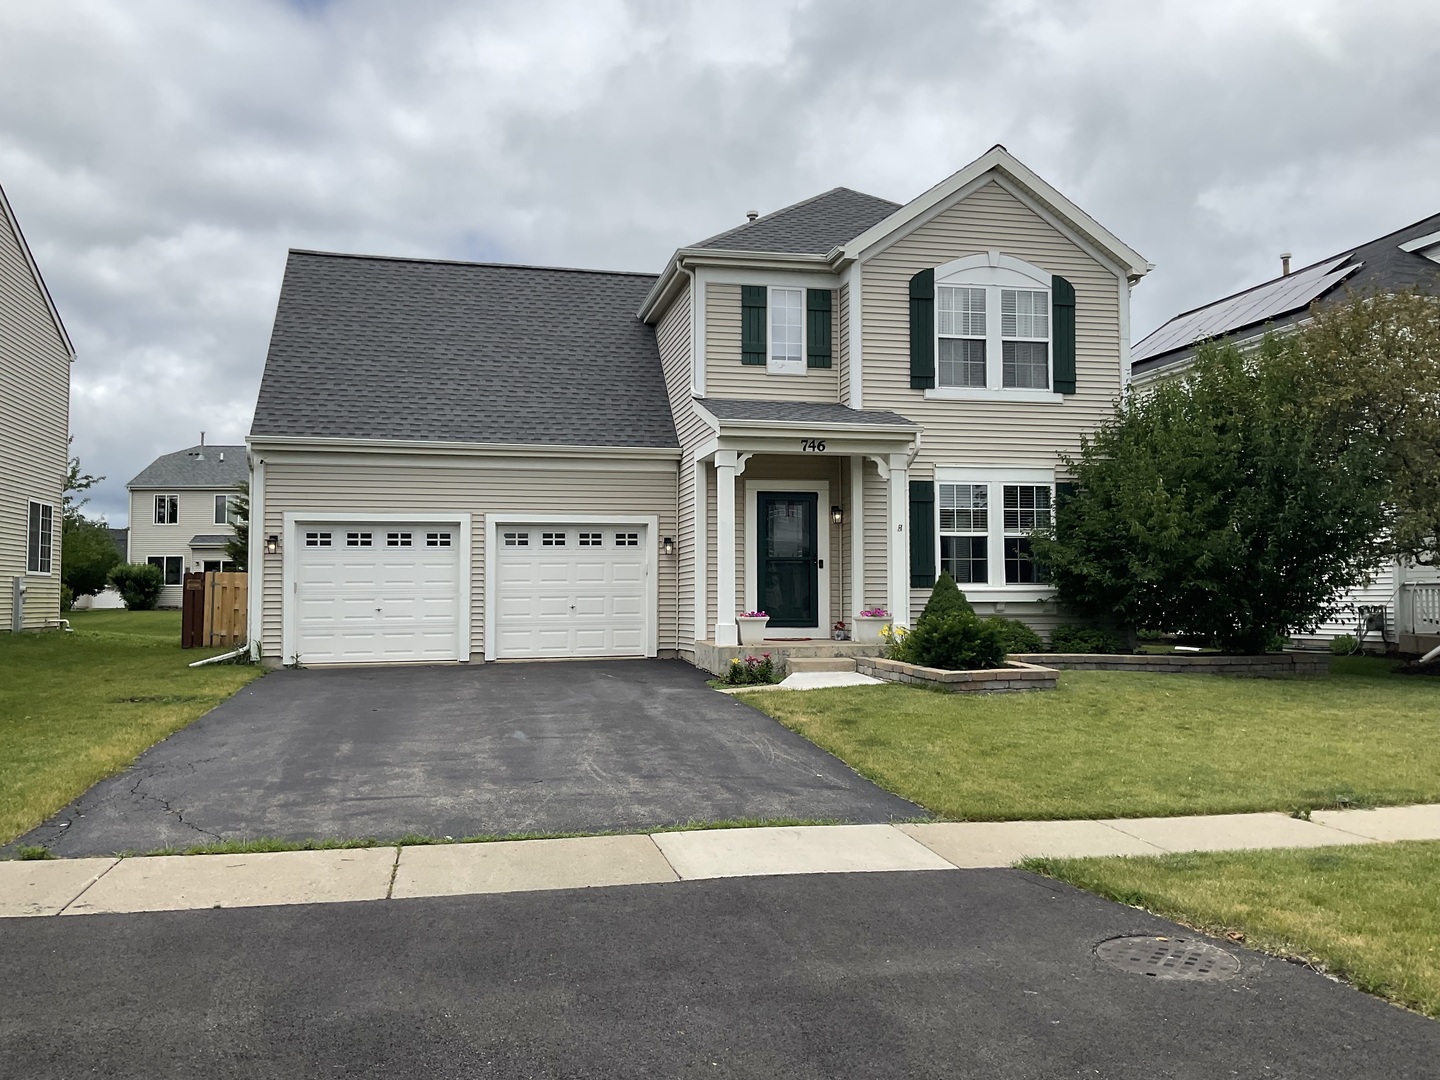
{"type": "Point", "coordinates": [787, 563]}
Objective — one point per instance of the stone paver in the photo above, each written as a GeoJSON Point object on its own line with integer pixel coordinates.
{"type": "Point", "coordinates": [1386, 823]}
{"type": "Point", "coordinates": [1231, 832]}
{"type": "Point", "coordinates": [44, 887]}
{"type": "Point", "coordinates": [807, 849]}
{"type": "Point", "coordinates": [179, 882]}
{"type": "Point", "coordinates": [981, 844]}
{"type": "Point", "coordinates": [526, 865]}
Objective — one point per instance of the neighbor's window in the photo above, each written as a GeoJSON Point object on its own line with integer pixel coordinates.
{"type": "Point", "coordinates": [1025, 338]}
{"type": "Point", "coordinates": [40, 538]}
{"type": "Point", "coordinates": [172, 566]}
{"type": "Point", "coordinates": [224, 510]}
{"type": "Point", "coordinates": [965, 532]}
{"type": "Point", "coordinates": [960, 315]}
{"type": "Point", "coordinates": [167, 509]}
{"type": "Point", "coordinates": [1026, 511]}
{"type": "Point", "coordinates": [787, 330]}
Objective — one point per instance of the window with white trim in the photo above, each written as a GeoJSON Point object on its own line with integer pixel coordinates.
{"type": "Point", "coordinates": [627, 539]}
{"type": "Point", "coordinates": [552, 539]}
{"type": "Point", "coordinates": [985, 525]}
{"type": "Point", "coordinates": [317, 539]}
{"type": "Point", "coordinates": [172, 566]}
{"type": "Point", "coordinates": [442, 539]}
{"type": "Point", "coordinates": [224, 510]}
{"type": "Point", "coordinates": [992, 326]}
{"type": "Point", "coordinates": [787, 331]}
{"type": "Point", "coordinates": [960, 353]}
{"type": "Point", "coordinates": [40, 538]}
{"type": "Point", "coordinates": [512, 539]}
{"type": "Point", "coordinates": [398, 539]}
{"type": "Point", "coordinates": [1025, 339]}
{"type": "Point", "coordinates": [167, 509]}
{"type": "Point", "coordinates": [591, 539]}
{"type": "Point", "coordinates": [965, 532]}
{"type": "Point", "coordinates": [1026, 511]}
{"type": "Point", "coordinates": [357, 539]}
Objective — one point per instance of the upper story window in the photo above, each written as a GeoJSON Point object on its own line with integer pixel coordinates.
{"type": "Point", "coordinates": [167, 509]}
{"type": "Point", "coordinates": [786, 329]}
{"type": "Point", "coordinates": [787, 332]}
{"type": "Point", "coordinates": [224, 510]}
{"type": "Point", "coordinates": [40, 538]}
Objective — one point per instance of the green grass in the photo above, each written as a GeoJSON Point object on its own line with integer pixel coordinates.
{"type": "Point", "coordinates": [1365, 914]}
{"type": "Point", "coordinates": [1117, 744]}
{"type": "Point", "coordinates": [76, 708]}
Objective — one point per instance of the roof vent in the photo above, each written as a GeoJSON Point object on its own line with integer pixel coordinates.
{"type": "Point", "coordinates": [751, 215]}
{"type": "Point", "coordinates": [1285, 264]}
{"type": "Point", "coordinates": [222, 455]}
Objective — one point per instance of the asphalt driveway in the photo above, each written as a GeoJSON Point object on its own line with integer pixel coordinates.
{"type": "Point", "coordinates": [463, 751]}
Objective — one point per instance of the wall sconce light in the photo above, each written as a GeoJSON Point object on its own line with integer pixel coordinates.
{"type": "Point", "coordinates": [668, 545]}
{"type": "Point", "coordinates": [272, 544]}
{"type": "Point", "coordinates": [837, 515]}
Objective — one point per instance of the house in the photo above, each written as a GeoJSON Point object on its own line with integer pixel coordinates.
{"type": "Point", "coordinates": [812, 413]}
{"type": "Point", "coordinates": [181, 512]}
{"type": "Point", "coordinates": [35, 359]}
{"type": "Point", "coordinates": [1403, 601]}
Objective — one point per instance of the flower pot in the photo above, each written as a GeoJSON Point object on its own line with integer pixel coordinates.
{"type": "Point", "coordinates": [752, 628]}
{"type": "Point", "coordinates": [868, 627]}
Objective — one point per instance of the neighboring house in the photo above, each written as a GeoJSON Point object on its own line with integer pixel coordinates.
{"type": "Point", "coordinates": [181, 509]}
{"type": "Point", "coordinates": [812, 413]}
{"type": "Point", "coordinates": [35, 358]}
{"type": "Point", "coordinates": [1407, 258]}
{"type": "Point", "coordinates": [121, 539]}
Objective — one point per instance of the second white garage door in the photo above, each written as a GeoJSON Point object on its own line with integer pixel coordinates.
{"type": "Point", "coordinates": [571, 590]}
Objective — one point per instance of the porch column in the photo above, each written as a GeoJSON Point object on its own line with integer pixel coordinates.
{"type": "Point", "coordinates": [857, 535]}
{"type": "Point", "coordinates": [899, 545]}
{"type": "Point", "coordinates": [727, 467]}
{"type": "Point", "coordinates": [702, 553]}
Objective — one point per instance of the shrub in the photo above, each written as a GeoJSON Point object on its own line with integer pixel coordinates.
{"type": "Point", "coordinates": [1343, 644]}
{"type": "Point", "coordinates": [87, 555]}
{"type": "Point", "coordinates": [1084, 639]}
{"type": "Point", "coordinates": [945, 599]}
{"type": "Point", "coordinates": [956, 642]}
{"type": "Point", "coordinates": [753, 670]}
{"type": "Point", "coordinates": [67, 597]}
{"type": "Point", "coordinates": [138, 584]}
{"type": "Point", "coordinates": [1017, 636]}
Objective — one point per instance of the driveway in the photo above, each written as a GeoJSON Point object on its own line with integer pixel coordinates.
{"type": "Point", "coordinates": [461, 751]}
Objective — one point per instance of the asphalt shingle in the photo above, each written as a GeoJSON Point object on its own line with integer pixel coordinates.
{"type": "Point", "coordinates": [196, 467]}
{"type": "Point", "coordinates": [812, 227]}
{"type": "Point", "coordinates": [800, 412]}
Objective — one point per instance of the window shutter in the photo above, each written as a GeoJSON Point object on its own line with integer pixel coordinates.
{"type": "Point", "coordinates": [922, 330]}
{"type": "Point", "coordinates": [817, 328]}
{"type": "Point", "coordinates": [752, 324]}
{"type": "Point", "coordinates": [1062, 331]}
{"type": "Point", "coordinates": [922, 534]}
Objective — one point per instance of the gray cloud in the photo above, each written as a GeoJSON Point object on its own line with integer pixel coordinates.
{"type": "Point", "coordinates": [163, 155]}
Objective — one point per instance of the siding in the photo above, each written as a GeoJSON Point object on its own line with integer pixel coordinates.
{"type": "Point", "coordinates": [877, 534]}
{"type": "Point", "coordinates": [726, 377]}
{"type": "Point", "coordinates": [842, 346]}
{"type": "Point", "coordinates": [1384, 591]}
{"type": "Point", "coordinates": [197, 516]}
{"type": "Point", "coordinates": [34, 426]}
{"type": "Point", "coordinates": [380, 483]}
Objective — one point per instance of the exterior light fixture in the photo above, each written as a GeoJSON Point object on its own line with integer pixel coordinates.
{"type": "Point", "coordinates": [272, 544]}
{"type": "Point", "coordinates": [837, 515]}
{"type": "Point", "coordinates": [668, 545]}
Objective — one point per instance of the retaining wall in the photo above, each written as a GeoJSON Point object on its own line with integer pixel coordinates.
{"type": "Point", "coordinates": [1268, 666]}
{"type": "Point", "coordinates": [1014, 676]}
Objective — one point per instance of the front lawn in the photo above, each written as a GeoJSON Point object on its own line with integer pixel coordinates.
{"type": "Point", "coordinates": [1367, 914]}
{"type": "Point", "coordinates": [75, 708]}
{"type": "Point", "coordinates": [1117, 744]}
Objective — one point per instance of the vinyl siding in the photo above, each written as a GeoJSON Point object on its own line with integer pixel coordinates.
{"type": "Point", "coordinates": [370, 483]}
{"type": "Point", "coordinates": [842, 345]}
{"type": "Point", "coordinates": [34, 425]}
{"type": "Point", "coordinates": [726, 377]}
{"type": "Point", "coordinates": [877, 535]}
{"type": "Point", "coordinates": [1383, 591]}
{"type": "Point", "coordinates": [197, 517]}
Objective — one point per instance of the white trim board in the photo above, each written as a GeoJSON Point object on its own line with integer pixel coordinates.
{"type": "Point", "coordinates": [822, 543]}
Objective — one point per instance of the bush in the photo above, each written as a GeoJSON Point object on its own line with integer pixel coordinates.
{"type": "Point", "coordinates": [945, 599]}
{"type": "Point", "coordinates": [138, 584]}
{"type": "Point", "coordinates": [87, 555]}
{"type": "Point", "coordinates": [1017, 636]}
{"type": "Point", "coordinates": [1343, 645]}
{"type": "Point", "coordinates": [1084, 639]}
{"type": "Point", "coordinates": [753, 670]}
{"type": "Point", "coordinates": [67, 597]}
{"type": "Point", "coordinates": [956, 642]}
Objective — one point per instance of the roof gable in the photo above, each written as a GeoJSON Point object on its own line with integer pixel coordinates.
{"type": "Point", "coordinates": [7, 216]}
{"type": "Point", "coordinates": [814, 226]}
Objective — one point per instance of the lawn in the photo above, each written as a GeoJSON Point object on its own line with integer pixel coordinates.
{"type": "Point", "coordinates": [75, 708]}
{"type": "Point", "coordinates": [1117, 744]}
{"type": "Point", "coordinates": [1367, 914]}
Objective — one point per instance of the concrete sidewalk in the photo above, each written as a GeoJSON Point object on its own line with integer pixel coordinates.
{"type": "Point", "coordinates": [179, 882]}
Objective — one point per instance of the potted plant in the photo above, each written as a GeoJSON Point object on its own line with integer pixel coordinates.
{"type": "Point", "coordinates": [752, 627]}
{"type": "Point", "coordinates": [840, 632]}
{"type": "Point", "coordinates": [868, 625]}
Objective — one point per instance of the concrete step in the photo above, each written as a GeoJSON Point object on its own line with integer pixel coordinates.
{"type": "Point", "coordinates": [819, 663]}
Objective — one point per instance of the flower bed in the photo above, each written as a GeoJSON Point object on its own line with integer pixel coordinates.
{"type": "Point", "coordinates": [1012, 676]}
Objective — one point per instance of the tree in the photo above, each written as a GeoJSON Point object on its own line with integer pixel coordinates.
{"type": "Point", "coordinates": [237, 548]}
{"type": "Point", "coordinates": [138, 584]}
{"type": "Point", "coordinates": [76, 482]}
{"type": "Point", "coordinates": [1216, 506]}
{"type": "Point", "coordinates": [87, 554]}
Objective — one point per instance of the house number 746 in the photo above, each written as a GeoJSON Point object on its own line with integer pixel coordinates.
{"type": "Point", "coordinates": [813, 445]}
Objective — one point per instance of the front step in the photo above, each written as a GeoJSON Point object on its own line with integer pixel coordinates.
{"type": "Point", "coordinates": [819, 663]}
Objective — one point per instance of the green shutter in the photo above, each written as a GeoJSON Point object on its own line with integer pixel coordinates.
{"type": "Point", "coordinates": [817, 329]}
{"type": "Point", "coordinates": [922, 330]}
{"type": "Point", "coordinates": [752, 324]}
{"type": "Point", "coordinates": [1062, 334]}
{"type": "Point", "coordinates": [922, 534]}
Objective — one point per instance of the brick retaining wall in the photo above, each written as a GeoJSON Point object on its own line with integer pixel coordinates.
{"type": "Point", "coordinates": [1013, 676]}
{"type": "Point", "coordinates": [1268, 666]}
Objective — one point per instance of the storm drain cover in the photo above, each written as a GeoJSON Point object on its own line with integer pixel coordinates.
{"type": "Point", "coordinates": [1168, 958]}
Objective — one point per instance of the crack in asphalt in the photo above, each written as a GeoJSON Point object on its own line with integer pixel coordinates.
{"type": "Point", "coordinates": [165, 804]}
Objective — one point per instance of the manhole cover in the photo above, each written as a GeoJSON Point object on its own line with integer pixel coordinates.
{"type": "Point", "coordinates": [1168, 958]}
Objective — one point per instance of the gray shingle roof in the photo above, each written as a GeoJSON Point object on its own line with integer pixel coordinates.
{"type": "Point", "coordinates": [812, 227]}
{"type": "Point", "coordinates": [381, 348]}
{"type": "Point", "coordinates": [1383, 267]}
{"type": "Point", "coordinates": [800, 412]}
{"type": "Point", "coordinates": [210, 540]}
{"type": "Point", "coordinates": [196, 467]}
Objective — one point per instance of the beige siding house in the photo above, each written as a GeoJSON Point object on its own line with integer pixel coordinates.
{"type": "Point", "coordinates": [812, 414]}
{"type": "Point", "coordinates": [35, 358]}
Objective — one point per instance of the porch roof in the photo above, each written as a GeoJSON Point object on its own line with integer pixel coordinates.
{"type": "Point", "coordinates": [732, 412]}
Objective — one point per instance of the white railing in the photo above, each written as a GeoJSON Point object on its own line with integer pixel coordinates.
{"type": "Point", "coordinates": [1419, 608]}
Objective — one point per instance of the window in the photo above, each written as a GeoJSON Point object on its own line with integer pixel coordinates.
{"type": "Point", "coordinates": [960, 314]}
{"type": "Point", "coordinates": [442, 539]}
{"type": "Point", "coordinates": [167, 509]}
{"type": "Point", "coordinates": [218, 565]}
{"type": "Point", "coordinates": [965, 532]}
{"type": "Point", "coordinates": [317, 539]}
{"type": "Point", "coordinates": [552, 539]}
{"type": "Point", "coordinates": [787, 331]}
{"type": "Point", "coordinates": [992, 328]}
{"type": "Point", "coordinates": [40, 538]}
{"type": "Point", "coordinates": [512, 539]}
{"type": "Point", "coordinates": [357, 539]}
{"type": "Point", "coordinates": [224, 510]}
{"type": "Point", "coordinates": [173, 567]}
{"type": "Point", "coordinates": [1027, 510]}
{"type": "Point", "coordinates": [627, 539]}
{"type": "Point", "coordinates": [1025, 339]}
{"type": "Point", "coordinates": [397, 539]}
{"type": "Point", "coordinates": [591, 539]}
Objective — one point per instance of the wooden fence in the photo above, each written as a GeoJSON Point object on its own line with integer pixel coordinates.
{"type": "Point", "coordinates": [214, 610]}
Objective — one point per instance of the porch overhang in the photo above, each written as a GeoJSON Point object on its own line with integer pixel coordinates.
{"type": "Point", "coordinates": [789, 427]}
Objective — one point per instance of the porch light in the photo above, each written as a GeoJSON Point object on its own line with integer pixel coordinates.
{"type": "Point", "coordinates": [272, 544]}
{"type": "Point", "coordinates": [668, 545]}
{"type": "Point", "coordinates": [837, 515]}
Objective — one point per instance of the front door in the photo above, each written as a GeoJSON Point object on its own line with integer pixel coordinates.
{"type": "Point", "coordinates": [787, 563]}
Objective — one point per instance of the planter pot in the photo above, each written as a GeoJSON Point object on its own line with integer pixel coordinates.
{"type": "Point", "coordinates": [868, 627]}
{"type": "Point", "coordinates": [752, 630]}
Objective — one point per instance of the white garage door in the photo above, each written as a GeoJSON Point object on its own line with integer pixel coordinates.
{"type": "Point", "coordinates": [570, 590]}
{"type": "Point", "coordinates": [377, 592]}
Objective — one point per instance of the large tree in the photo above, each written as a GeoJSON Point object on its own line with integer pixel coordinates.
{"type": "Point", "coordinates": [1214, 506]}
{"type": "Point", "coordinates": [76, 482]}
{"type": "Point", "coordinates": [237, 548]}
{"type": "Point", "coordinates": [86, 555]}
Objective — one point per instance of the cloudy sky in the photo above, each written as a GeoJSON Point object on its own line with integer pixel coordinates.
{"type": "Point", "coordinates": [162, 156]}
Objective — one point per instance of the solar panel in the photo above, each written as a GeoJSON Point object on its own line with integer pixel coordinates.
{"type": "Point", "coordinates": [1268, 301]}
